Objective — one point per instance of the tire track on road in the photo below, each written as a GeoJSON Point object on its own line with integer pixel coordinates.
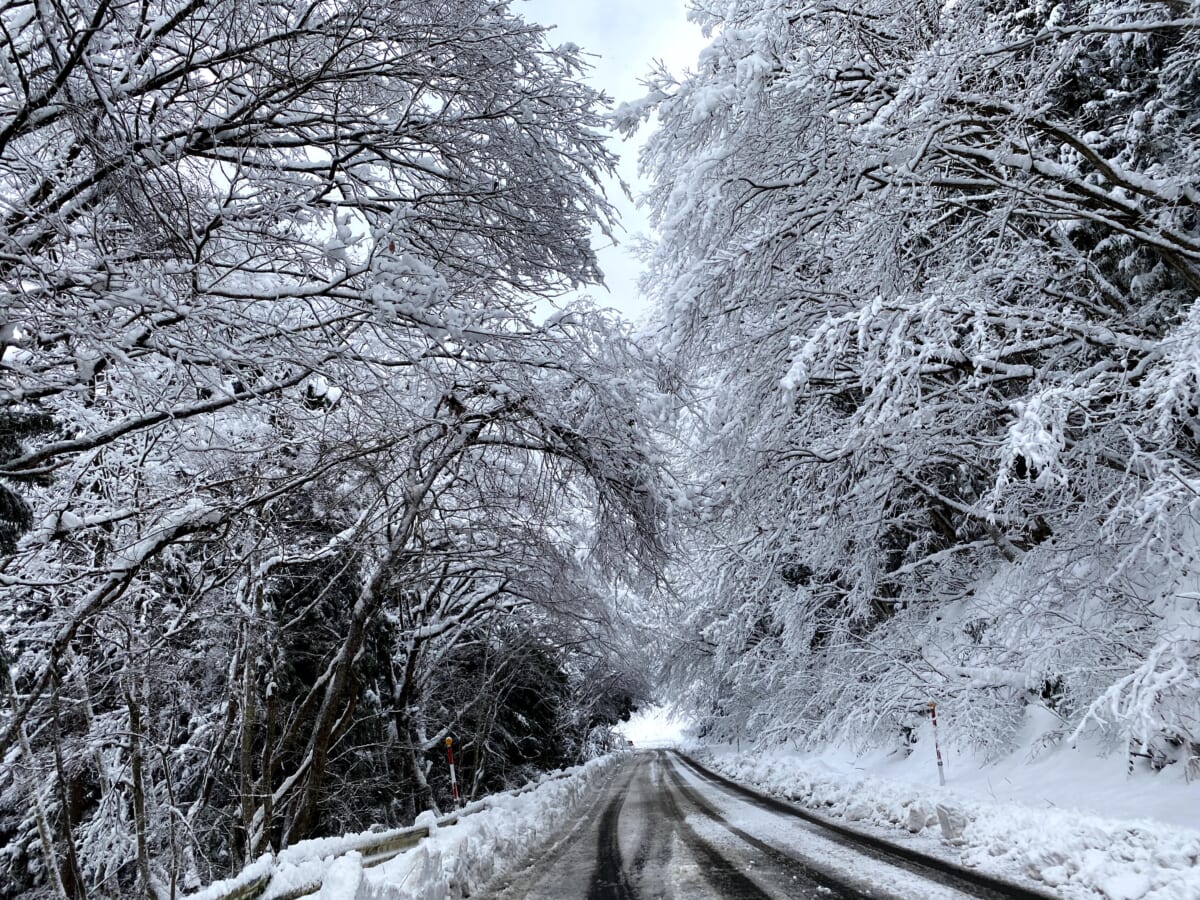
{"type": "Point", "coordinates": [652, 860]}
{"type": "Point", "coordinates": [609, 881]}
{"type": "Point", "coordinates": [939, 871]}
{"type": "Point", "coordinates": [811, 880]}
{"type": "Point", "coordinates": [722, 874]}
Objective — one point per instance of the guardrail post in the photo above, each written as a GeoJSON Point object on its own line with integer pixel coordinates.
{"type": "Point", "coordinates": [453, 775]}
{"type": "Point", "coordinates": [936, 746]}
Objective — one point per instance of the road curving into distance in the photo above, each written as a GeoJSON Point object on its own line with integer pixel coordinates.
{"type": "Point", "coordinates": [666, 827]}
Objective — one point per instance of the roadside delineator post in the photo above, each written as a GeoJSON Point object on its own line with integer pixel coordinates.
{"type": "Point", "coordinates": [936, 746]}
{"type": "Point", "coordinates": [453, 775]}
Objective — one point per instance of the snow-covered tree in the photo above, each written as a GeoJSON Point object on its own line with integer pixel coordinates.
{"type": "Point", "coordinates": [282, 420]}
{"type": "Point", "coordinates": [934, 270]}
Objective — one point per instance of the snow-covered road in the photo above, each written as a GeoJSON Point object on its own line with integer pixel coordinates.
{"type": "Point", "coordinates": [665, 829]}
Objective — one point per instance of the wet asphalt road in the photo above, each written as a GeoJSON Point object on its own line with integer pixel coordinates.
{"type": "Point", "coordinates": [663, 829]}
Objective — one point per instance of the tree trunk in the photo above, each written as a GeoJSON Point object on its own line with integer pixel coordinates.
{"type": "Point", "coordinates": [139, 792]}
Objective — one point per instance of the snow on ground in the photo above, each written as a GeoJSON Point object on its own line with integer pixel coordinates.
{"type": "Point", "coordinates": [1071, 821]}
{"type": "Point", "coordinates": [455, 862]}
{"type": "Point", "coordinates": [866, 873]}
{"type": "Point", "coordinates": [489, 836]}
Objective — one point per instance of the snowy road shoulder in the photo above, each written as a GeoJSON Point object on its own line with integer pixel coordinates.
{"type": "Point", "coordinates": [1075, 855]}
{"type": "Point", "coordinates": [456, 862]}
{"type": "Point", "coordinates": [459, 855]}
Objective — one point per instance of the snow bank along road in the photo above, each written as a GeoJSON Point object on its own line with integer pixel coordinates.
{"type": "Point", "coordinates": [667, 827]}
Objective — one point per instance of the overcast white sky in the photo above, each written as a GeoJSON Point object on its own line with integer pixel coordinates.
{"type": "Point", "coordinates": [626, 35]}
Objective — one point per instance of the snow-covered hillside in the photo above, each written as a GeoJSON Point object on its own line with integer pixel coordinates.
{"type": "Point", "coordinates": [932, 272]}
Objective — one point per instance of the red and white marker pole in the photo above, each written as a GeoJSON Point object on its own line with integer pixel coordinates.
{"type": "Point", "coordinates": [454, 776]}
{"type": "Point", "coordinates": [936, 746]}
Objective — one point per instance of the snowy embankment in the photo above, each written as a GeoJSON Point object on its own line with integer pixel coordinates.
{"type": "Point", "coordinates": [462, 852]}
{"type": "Point", "coordinates": [456, 862]}
{"type": "Point", "coordinates": [1076, 853]}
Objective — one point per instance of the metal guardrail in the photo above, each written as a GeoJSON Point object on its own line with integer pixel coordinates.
{"type": "Point", "coordinates": [373, 854]}
{"type": "Point", "coordinates": [377, 849]}
{"type": "Point", "coordinates": [253, 889]}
